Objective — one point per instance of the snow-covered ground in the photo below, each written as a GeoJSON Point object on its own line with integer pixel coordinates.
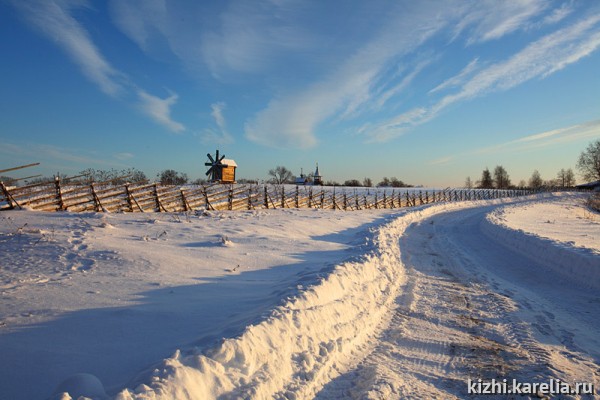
{"type": "Point", "coordinates": [299, 303]}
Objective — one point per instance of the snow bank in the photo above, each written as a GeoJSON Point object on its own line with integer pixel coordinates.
{"type": "Point", "coordinates": [305, 342]}
{"type": "Point", "coordinates": [579, 264]}
{"type": "Point", "coordinates": [296, 349]}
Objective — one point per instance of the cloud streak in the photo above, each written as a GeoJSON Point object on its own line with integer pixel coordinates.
{"type": "Point", "coordinates": [53, 19]}
{"type": "Point", "coordinates": [363, 82]}
{"type": "Point", "coordinates": [220, 135]}
{"type": "Point", "coordinates": [291, 121]}
{"type": "Point", "coordinates": [573, 133]}
{"type": "Point", "coordinates": [160, 110]}
{"type": "Point", "coordinates": [539, 59]}
{"type": "Point", "coordinates": [53, 154]}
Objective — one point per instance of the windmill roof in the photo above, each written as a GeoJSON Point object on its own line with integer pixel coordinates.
{"type": "Point", "coordinates": [228, 162]}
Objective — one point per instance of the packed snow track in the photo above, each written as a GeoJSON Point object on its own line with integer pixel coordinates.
{"type": "Point", "coordinates": [474, 307]}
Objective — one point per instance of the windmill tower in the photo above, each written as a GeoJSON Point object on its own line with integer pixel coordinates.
{"type": "Point", "coordinates": [221, 169]}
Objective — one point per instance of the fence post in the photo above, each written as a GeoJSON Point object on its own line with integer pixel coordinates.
{"type": "Point", "coordinates": [282, 197]}
{"type": "Point", "coordinates": [61, 205]}
{"type": "Point", "coordinates": [310, 199]}
{"type": "Point", "coordinates": [159, 205]}
{"type": "Point", "coordinates": [128, 194]}
{"type": "Point", "coordinates": [97, 205]}
{"type": "Point", "coordinates": [186, 206]}
{"type": "Point", "coordinates": [297, 203]}
{"type": "Point", "coordinates": [266, 198]}
{"type": "Point", "coordinates": [9, 197]}
{"type": "Point", "coordinates": [230, 198]}
{"type": "Point", "coordinates": [249, 198]}
{"type": "Point", "coordinates": [376, 202]}
{"type": "Point", "coordinates": [206, 200]}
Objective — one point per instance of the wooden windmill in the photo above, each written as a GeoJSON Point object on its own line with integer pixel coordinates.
{"type": "Point", "coordinates": [221, 169]}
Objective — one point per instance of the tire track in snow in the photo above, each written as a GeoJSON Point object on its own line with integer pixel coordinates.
{"type": "Point", "coordinates": [461, 315]}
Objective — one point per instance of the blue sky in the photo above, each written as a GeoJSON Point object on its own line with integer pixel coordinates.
{"type": "Point", "coordinates": [427, 91]}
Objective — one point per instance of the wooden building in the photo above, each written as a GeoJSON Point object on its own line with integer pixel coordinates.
{"type": "Point", "coordinates": [222, 170]}
{"type": "Point", "coordinates": [228, 171]}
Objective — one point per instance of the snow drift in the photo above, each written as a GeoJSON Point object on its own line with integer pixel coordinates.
{"type": "Point", "coordinates": [578, 264]}
{"type": "Point", "coordinates": [305, 342]}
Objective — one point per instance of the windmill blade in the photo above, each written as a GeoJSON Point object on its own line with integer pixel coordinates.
{"type": "Point", "coordinates": [208, 172]}
{"type": "Point", "coordinates": [210, 158]}
{"type": "Point", "coordinates": [217, 154]}
{"type": "Point", "coordinates": [220, 159]}
{"type": "Point", "coordinates": [208, 164]}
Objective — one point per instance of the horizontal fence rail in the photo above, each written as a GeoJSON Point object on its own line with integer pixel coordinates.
{"type": "Point", "coordinates": [154, 197]}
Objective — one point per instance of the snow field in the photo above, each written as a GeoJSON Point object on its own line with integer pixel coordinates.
{"type": "Point", "coordinates": [300, 296]}
{"type": "Point", "coordinates": [300, 346]}
{"type": "Point", "coordinates": [113, 294]}
{"type": "Point", "coordinates": [306, 342]}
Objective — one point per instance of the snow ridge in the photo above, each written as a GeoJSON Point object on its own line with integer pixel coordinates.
{"type": "Point", "coordinates": [303, 342]}
{"type": "Point", "coordinates": [578, 264]}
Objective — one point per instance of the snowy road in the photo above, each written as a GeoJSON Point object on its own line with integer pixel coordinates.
{"type": "Point", "coordinates": [473, 308]}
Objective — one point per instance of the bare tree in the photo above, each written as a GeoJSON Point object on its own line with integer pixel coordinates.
{"type": "Point", "coordinates": [570, 178]}
{"type": "Point", "coordinates": [367, 182]}
{"type": "Point", "coordinates": [589, 162]}
{"type": "Point", "coordinates": [281, 174]}
{"type": "Point", "coordinates": [535, 182]}
{"type": "Point", "coordinates": [468, 183]}
{"type": "Point", "coordinates": [384, 182]}
{"type": "Point", "coordinates": [565, 178]}
{"type": "Point", "coordinates": [117, 177]}
{"type": "Point", "coordinates": [352, 183]}
{"type": "Point", "coordinates": [501, 178]}
{"type": "Point", "coordinates": [172, 177]}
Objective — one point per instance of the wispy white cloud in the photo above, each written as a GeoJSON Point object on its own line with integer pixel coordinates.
{"type": "Point", "coordinates": [124, 156]}
{"type": "Point", "coordinates": [141, 20]}
{"type": "Point", "coordinates": [442, 161]}
{"type": "Point", "coordinates": [237, 36]}
{"type": "Point", "coordinates": [490, 20]}
{"type": "Point", "coordinates": [249, 37]}
{"type": "Point", "coordinates": [560, 136]}
{"type": "Point", "coordinates": [558, 14]}
{"type": "Point", "coordinates": [160, 110]}
{"type": "Point", "coordinates": [53, 19]}
{"type": "Point", "coordinates": [362, 82]}
{"type": "Point", "coordinates": [385, 96]}
{"type": "Point", "coordinates": [290, 121]}
{"type": "Point", "coordinates": [50, 154]}
{"type": "Point", "coordinates": [590, 129]}
{"type": "Point", "coordinates": [220, 135]}
{"type": "Point", "coordinates": [457, 80]}
{"type": "Point", "coordinates": [539, 59]}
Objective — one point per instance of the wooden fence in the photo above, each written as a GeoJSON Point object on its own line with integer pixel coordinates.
{"type": "Point", "coordinates": [153, 197]}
